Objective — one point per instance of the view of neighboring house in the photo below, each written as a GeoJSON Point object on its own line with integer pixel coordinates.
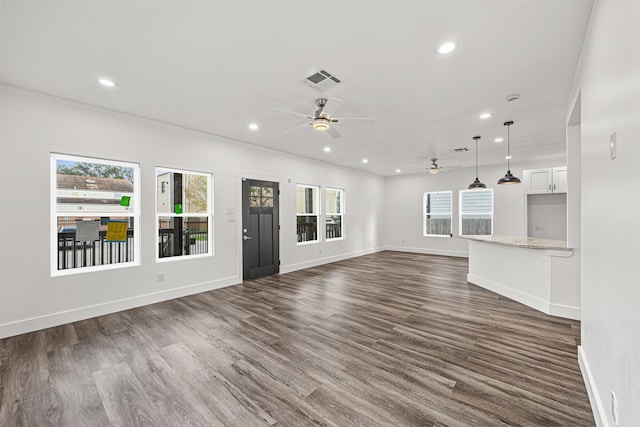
{"type": "Point", "coordinates": [86, 193]}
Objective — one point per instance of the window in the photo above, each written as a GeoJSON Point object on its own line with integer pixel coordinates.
{"type": "Point", "coordinates": [437, 213]}
{"type": "Point", "coordinates": [476, 212]}
{"type": "Point", "coordinates": [261, 197]}
{"type": "Point", "coordinates": [307, 213]}
{"type": "Point", "coordinates": [334, 210]}
{"type": "Point", "coordinates": [183, 213]}
{"type": "Point", "coordinates": [95, 212]}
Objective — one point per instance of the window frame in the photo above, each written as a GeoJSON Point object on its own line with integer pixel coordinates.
{"type": "Point", "coordinates": [317, 214]}
{"type": "Point", "coordinates": [172, 214]}
{"type": "Point", "coordinates": [54, 213]}
{"type": "Point", "coordinates": [424, 214]}
{"type": "Point", "coordinates": [461, 213]}
{"type": "Point", "coordinates": [340, 214]}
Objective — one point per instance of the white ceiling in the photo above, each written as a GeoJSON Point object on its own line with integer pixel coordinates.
{"type": "Point", "coordinates": [216, 66]}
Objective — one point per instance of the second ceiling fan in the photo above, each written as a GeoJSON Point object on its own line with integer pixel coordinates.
{"type": "Point", "coordinates": [434, 167]}
{"type": "Point", "coordinates": [323, 119]}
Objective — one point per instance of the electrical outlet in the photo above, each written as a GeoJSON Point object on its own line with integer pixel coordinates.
{"type": "Point", "coordinates": [614, 408]}
{"type": "Point", "coordinates": [160, 277]}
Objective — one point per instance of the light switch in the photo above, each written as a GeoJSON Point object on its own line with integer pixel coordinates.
{"type": "Point", "coordinates": [612, 146]}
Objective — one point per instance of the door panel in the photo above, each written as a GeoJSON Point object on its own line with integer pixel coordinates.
{"type": "Point", "coordinates": [266, 235]}
{"type": "Point", "coordinates": [260, 229]}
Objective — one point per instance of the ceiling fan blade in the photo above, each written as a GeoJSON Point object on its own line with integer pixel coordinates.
{"type": "Point", "coordinates": [306, 116]}
{"type": "Point", "coordinates": [334, 132]}
{"type": "Point", "coordinates": [355, 120]}
{"type": "Point", "coordinates": [331, 106]}
{"type": "Point", "coordinates": [296, 127]}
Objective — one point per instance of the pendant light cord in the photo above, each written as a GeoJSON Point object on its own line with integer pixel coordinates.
{"type": "Point", "coordinates": [509, 147]}
{"type": "Point", "coordinates": [476, 158]}
{"type": "Point", "coordinates": [509, 178]}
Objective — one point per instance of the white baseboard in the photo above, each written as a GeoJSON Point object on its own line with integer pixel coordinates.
{"type": "Point", "coordinates": [60, 318]}
{"type": "Point", "coordinates": [566, 311]}
{"type": "Point", "coordinates": [444, 252]}
{"type": "Point", "coordinates": [514, 294]}
{"type": "Point", "coordinates": [320, 261]}
{"type": "Point", "coordinates": [559, 310]}
{"type": "Point", "coordinates": [597, 406]}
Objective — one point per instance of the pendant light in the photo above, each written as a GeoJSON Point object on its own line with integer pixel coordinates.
{"type": "Point", "coordinates": [476, 185]}
{"type": "Point", "coordinates": [508, 178]}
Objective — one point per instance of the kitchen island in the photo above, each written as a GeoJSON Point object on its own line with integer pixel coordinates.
{"type": "Point", "coordinates": [540, 273]}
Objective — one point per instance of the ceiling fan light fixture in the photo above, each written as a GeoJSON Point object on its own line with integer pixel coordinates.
{"type": "Point", "coordinates": [433, 168]}
{"type": "Point", "coordinates": [321, 124]}
{"type": "Point", "coordinates": [508, 178]}
{"type": "Point", "coordinates": [476, 185]}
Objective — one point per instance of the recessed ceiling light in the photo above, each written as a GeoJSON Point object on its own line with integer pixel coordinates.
{"type": "Point", "coordinates": [498, 139]}
{"type": "Point", "coordinates": [327, 149]}
{"type": "Point", "coordinates": [107, 82]}
{"type": "Point", "coordinates": [253, 126]}
{"type": "Point", "coordinates": [507, 157]}
{"type": "Point", "coordinates": [365, 160]}
{"type": "Point", "coordinates": [445, 48]}
{"type": "Point", "coordinates": [398, 171]}
{"type": "Point", "coordinates": [485, 115]}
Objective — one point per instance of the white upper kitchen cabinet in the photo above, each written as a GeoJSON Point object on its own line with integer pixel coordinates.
{"type": "Point", "coordinates": [547, 180]}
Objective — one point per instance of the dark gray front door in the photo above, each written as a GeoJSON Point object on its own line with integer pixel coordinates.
{"type": "Point", "coordinates": [260, 229]}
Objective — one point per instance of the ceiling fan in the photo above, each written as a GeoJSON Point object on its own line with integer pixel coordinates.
{"type": "Point", "coordinates": [434, 167]}
{"type": "Point", "coordinates": [322, 119]}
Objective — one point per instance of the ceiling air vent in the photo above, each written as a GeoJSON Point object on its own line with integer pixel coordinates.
{"type": "Point", "coordinates": [321, 81]}
{"type": "Point", "coordinates": [460, 150]}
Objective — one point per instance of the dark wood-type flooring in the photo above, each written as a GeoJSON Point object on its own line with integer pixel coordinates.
{"type": "Point", "coordinates": [389, 339]}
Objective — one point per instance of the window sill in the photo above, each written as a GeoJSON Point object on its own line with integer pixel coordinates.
{"type": "Point", "coordinates": [182, 257]}
{"type": "Point", "coordinates": [93, 269]}
{"type": "Point", "coordinates": [309, 242]}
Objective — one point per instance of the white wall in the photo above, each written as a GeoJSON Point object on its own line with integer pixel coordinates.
{"type": "Point", "coordinates": [404, 205]}
{"type": "Point", "coordinates": [34, 125]}
{"type": "Point", "coordinates": [608, 83]}
{"type": "Point", "coordinates": [547, 216]}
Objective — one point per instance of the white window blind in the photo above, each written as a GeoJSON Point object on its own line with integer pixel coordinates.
{"type": "Point", "coordinates": [437, 213]}
{"type": "Point", "coordinates": [476, 212]}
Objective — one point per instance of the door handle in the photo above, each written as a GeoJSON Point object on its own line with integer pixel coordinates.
{"type": "Point", "coordinates": [246, 238]}
{"type": "Point", "coordinates": [554, 186]}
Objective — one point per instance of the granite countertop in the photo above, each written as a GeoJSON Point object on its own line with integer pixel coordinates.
{"type": "Point", "coordinates": [522, 242]}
